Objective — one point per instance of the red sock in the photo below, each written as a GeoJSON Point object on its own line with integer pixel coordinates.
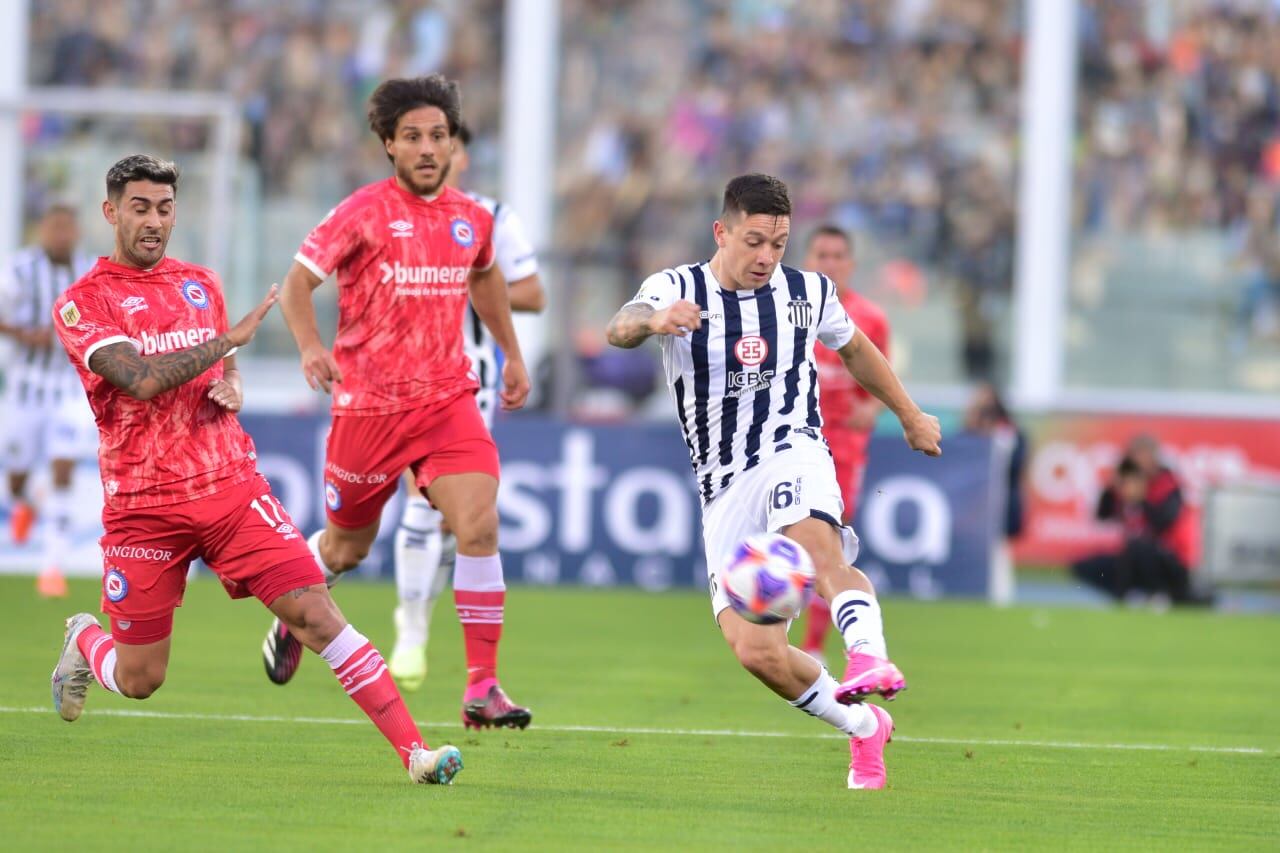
{"type": "Point", "coordinates": [363, 674]}
{"type": "Point", "coordinates": [99, 649]}
{"type": "Point", "coordinates": [815, 631]}
{"type": "Point", "coordinates": [481, 616]}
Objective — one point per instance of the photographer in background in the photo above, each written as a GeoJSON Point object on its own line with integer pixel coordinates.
{"type": "Point", "coordinates": [1160, 541]}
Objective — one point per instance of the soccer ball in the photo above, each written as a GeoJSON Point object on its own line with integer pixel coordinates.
{"type": "Point", "coordinates": [768, 579]}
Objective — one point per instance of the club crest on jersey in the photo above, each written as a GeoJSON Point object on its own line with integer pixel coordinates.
{"type": "Point", "coordinates": [751, 350]}
{"type": "Point", "coordinates": [800, 312]}
{"type": "Point", "coordinates": [332, 497]}
{"type": "Point", "coordinates": [115, 585]}
{"type": "Point", "coordinates": [70, 314]}
{"type": "Point", "coordinates": [195, 294]}
{"type": "Point", "coordinates": [463, 234]}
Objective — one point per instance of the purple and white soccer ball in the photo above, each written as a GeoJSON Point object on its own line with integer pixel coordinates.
{"type": "Point", "coordinates": [768, 578]}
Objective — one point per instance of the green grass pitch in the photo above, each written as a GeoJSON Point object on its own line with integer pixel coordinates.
{"type": "Point", "coordinates": [1023, 729]}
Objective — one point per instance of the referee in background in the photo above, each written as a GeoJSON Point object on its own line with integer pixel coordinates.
{"type": "Point", "coordinates": [39, 418]}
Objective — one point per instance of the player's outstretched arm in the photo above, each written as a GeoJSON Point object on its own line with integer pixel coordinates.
{"type": "Point", "coordinates": [867, 365]}
{"type": "Point", "coordinates": [634, 323]}
{"type": "Point", "coordinates": [143, 378]}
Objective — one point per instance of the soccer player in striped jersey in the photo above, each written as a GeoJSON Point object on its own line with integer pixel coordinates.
{"type": "Point", "coordinates": [425, 548]}
{"type": "Point", "coordinates": [56, 423]}
{"type": "Point", "coordinates": [737, 335]}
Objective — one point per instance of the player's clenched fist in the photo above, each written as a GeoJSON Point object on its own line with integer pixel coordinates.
{"type": "Point", "coordinates": [680, 318]}
{"type": "Point", "coordinates": [923, 433]}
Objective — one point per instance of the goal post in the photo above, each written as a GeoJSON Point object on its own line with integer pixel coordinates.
{"type": "Point", "coordinates": [218, 109]}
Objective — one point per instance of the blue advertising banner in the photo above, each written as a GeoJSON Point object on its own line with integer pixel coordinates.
{"type": "Point", "coordinates": [607, 505]}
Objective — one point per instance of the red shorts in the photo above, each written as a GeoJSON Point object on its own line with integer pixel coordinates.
{"type": "Point", "coordinates": [243, 533]}
{"type": "Point", "coordinates": [850, 456]}
{"type": "Point", "coordinates": [365, 455]}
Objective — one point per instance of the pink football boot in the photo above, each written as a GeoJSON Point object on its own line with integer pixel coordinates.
{"type": "Point", "coordinates": [866, 675]}
{"type": "Point", "coordinates": [866, 754]}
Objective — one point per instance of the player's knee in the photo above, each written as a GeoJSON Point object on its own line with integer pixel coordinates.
{"type": "Point", "coordinates": [345, 556]}
{"type": "Point", "coordinates": [764, 662]}
{"type": "Point", "coordinates": [139, 683]}
{"type": "Point", "coordinates": [478, 532]}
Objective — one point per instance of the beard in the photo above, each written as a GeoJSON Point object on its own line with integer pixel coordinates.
{"type": "Point", "coordinates": [410, 178]}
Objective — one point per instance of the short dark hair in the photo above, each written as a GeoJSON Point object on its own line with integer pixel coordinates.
{"type": "Point", "coordinates": [830, 229]}
{"type": "Point", "coordinates": [140, 167]}
{"type": "Point", "coordinates": [464, 133]}
{"type": "Point", "coordinates": [756, 193]}
{"type": "Point", "coordinates": [393, 98]}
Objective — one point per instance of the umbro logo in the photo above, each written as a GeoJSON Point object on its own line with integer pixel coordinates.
{"type": "Point", "coordinates": [134, 304]}
{"type": "Point", "coordinates": [400, 228]}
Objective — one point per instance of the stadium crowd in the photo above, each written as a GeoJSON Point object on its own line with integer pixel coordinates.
{"type": "Point", "coordinates": [897, 120]}
{"type": "Point", "coordinates": [1180, 131]}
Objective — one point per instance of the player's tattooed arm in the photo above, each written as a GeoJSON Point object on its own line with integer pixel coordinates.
{"type": "Point", "coordinates": [630, 326]}
{"type": "Point", "coordinates": [143, 378]}
{"type": "Point", "coordinates": [635, 322]}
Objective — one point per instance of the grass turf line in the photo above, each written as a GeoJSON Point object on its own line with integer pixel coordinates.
{"type": "Point", "coordinates": [628, 660]}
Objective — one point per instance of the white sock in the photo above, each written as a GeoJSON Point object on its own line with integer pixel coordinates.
{"type": "Point", "coordinates": [820, 701]}
{"type": "Point", "coordinates": [313, 542]}
{"type": "Point", "coordinates": [448, 557]}
{"type": "Point", "coordinates": [107, 675]}
{"type": "Point", "coordinates": [57, 532]}
{"type": "Point", "coordinates": [857, 615]}
{"type": "Point", "coordinates": [343, 646]}
{"type": "Point", "coordinates": [109, 672]}
{"type": "Point", "coordinates": [417, 551]}
{"type": "Point", "coordinates": [478, 574]}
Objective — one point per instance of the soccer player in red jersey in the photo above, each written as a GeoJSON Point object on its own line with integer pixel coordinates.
{"type": "Point", "coordinates": [149, 337]}
{"type": "Point", "coordinates": [848, 410]}
{"type": "Point", "coordinates": [408, 251]}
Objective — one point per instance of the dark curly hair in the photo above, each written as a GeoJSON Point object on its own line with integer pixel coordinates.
{"type": "Point", "coordinates": [395, 97]}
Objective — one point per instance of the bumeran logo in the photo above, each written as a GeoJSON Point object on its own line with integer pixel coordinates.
{"type": "Point", "coordinates": [171, 341]}
{"type": "Point", "coordinates": [401, 274]}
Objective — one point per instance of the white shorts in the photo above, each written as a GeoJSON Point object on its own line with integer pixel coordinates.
{"type": "Point", "coordinates": [796, 484]}
{"type": "Point", "coordinates": [73, 433]}
{"type": "Point", "coordinates": [43, 433]}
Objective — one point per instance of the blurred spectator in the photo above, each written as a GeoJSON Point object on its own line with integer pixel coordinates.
{"type": "Point", "coordinates": [1160, 538]}
{"type": "Point", "coordinates": [1258, 257]}
{"type": "Point", "coordinates": [987, 415]}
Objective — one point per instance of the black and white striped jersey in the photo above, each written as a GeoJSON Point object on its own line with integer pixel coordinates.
{"type": "Point", "coordinates": [746, 384]}
{"type": "Point", "coordinates": [517, 260]}
{"type": "Point", "coordinates": [38, 376]}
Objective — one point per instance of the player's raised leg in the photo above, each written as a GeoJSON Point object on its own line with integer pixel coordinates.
{"type": "Point", "coordinates": [469, 504]}
{"type": "Point", "coordinates": [314, 619]}
{"type": "Point", "coordinates": [795, 676]}
{"type": "Point", "coordinates": [418, 546]}
{"type": "Point", "coordinates": [134, 669]}
{"type": "Point", "coordinates": [856, 612]}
